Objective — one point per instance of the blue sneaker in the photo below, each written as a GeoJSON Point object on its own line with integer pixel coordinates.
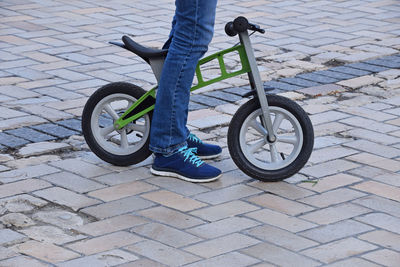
{"type": "Point", "coordinates": [185, 165]}
{"type": "Point", "coordinates": [204, 151]}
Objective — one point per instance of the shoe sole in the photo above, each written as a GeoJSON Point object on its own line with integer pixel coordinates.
{"type": "Point", "coordinates": [176, 175]}
{"type": "Point", "coordinates": [210, 157]}
{"type": "Point", "coordinates": [201, 157]}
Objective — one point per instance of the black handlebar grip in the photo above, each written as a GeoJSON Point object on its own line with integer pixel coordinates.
{"type": "Point", "coordinates": [240, 24]}
{"type": "Point", "coordinates": [229, 30]}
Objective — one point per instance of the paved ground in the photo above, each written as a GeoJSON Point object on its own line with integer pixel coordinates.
{"type": "Point", "coordinates": [60, 205]}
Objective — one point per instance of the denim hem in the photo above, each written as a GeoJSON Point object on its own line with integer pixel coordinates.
{"type": "Point", "coordinates": [169, 150]}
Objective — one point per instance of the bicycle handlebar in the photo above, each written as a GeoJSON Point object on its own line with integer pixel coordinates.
{"type": "Point", "coordinates": [241, 24]}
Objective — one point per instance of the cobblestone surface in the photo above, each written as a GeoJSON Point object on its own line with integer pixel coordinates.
{"type": "Point", "coordinates": [62, 206]}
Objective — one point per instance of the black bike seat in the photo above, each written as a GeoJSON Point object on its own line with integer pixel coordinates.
{"type": "Point", "coordinates": [143, 52]}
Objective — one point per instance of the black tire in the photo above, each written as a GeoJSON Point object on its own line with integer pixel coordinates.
{"type": "Point", "coordinates": [265, 174]}
{"type": "Point", "coordinates": [109, 89]}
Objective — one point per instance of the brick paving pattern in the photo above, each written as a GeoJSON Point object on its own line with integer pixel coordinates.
{"type": "Point", "coordinates": [62, 206]}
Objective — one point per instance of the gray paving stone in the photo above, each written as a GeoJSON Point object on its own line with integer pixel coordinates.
{"type": "Point", "coordinates": [369, 124]}
{"type": "Point", "coordinates": [322, 41]}
{"type": "Point", "coordinates": [8, 56]}
{"type": "Point", "coordinates": [30, 134]}
{"type": "Point", "coordinates": [16, 63]}
{"type": "Point", "coordinates": [395, 58]}
{"type": "Point", "coordinates": [299, 82]}
{"type": "Point", "coordinates": [8, 237]}
{"type": "Point", "coordinates": [322, 90]}
{"type": "Point", "coordinates": [381, 220]}
{"type": "Point", "coordinates": [22, 203]}
{"type": "Point", "coordinates": [73, 124]}
{"type": "Point", "coordinates": [217, 229]}
{"type": "Point", "coordinates": [162, 253]}
{"type": "Point", "coordinates": [223, 96]}
{"type": "Point", "coordinates": [196, 106]}
{"type": "Point", "coordinates": [12, 141]}
{"type": "Point", "coordinates": [80, 167]}
{"type": "Point", "coordinates": [281, 85]}
{"type": "Point", "coordinates": [317, 78]}
{"type": "Point", "coordinates": [328, 116]}
{"type": "Point", "coordinates": [367, 67]}
{"type": "Point", "coordinates": [385, 257]}
{"type": "Point", "coordinates": [237, 90]}
{"type": "Point", "coordinates": [222, 211]}
{"type": "Point", "coordinates": [65, 197]}
{"type": "Point", "coordinates": [373, 136]}
{"type": "Point", "coordinates": [374, 148]}
{"type": "Point", "coordinates": [279, 256]}
{"type": "Point", "coordinates": [273, 91]}
{"type": "Point", "coordinates": [373, 114]}
{"type": "Point", "coordinates": [58, 217]}
{"type": "Point", "coordinates": [208, 101]}
{"type": "Point", "coordinates": [41, 148]}
{"type": "Point", "coordinates": [23, 261]}
{"type": "Point", "coordinates": [393, 101]}
{"type": "Point", "coordinates": [222, 245]}
{"type": "Point", "coordinates": [232, 259]}
{"type": "Point", "coordinates": [329, 168]}
{"type": "Point", "coordinates": [29, 73]}
{"type": "Point", "coordinates": [227, 194]}
{"type": "Point", "coordinates": [50, 114]}
{"type": "Point", "coordinates": [93, 83]}
{"type": "Point", "coordinates": [69, 75]}
{"type": "Point", "coordinates": [6, 253]}
{"type": "Point", "coordinates": [384, 63]}
{"type": "Point", "coordinates": [379, 203]}
{"type": "Point", "coordinates": [55, 130]}
{"type": "Point", "coordinates": [107, 258]}
{"type": "Point", "coordinates": [358, 56]}
{"type": "Point", "coordinates": [118, 207]}
{"type": "Point", "coordinates": [335, 75]}
{"type": "Point", "coordinates": [285, 190]}
{"type": "Point", "coordinates": [351, 71]}
{"type": "Point", "coordinates": [105, 120]}
{"type": "Point", "coordinates": [367, 172]}
{"type": "Point", "coordinates": [4, 74]}
{"type": "Point", "coordinates": [285, 41]}
{"type": "Point", "coordinates": [339, 230]}
{"type": "Point", "coordinates": [383, 238]}
{"type": "Point", "coordinates": [80, 58]}
{"type": "Point", "coordinates": [281, 237]}
{"type": "Point", "coordinates": [350, 262]}
{"type": "Point", "coordinates": [330, 153]}
{"type": "Point", "coordinates": [33, 101]}
{"type": "Point", "coordinates": [166, 235]}
{"type": "Point", "coordinates": [309, 50]}
{"type": "Point", "coordinates": [343, 249]}
{"type": "Point", "coordinates": [72, 182]}
{"type": "Point", "coordinates": [211, 121]}
{"type": "Point", "coordinates": [58, 93]}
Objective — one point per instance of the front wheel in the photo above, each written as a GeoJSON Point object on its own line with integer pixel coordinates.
{"type": "Point", "coordinates": [251, 150]}
{"type": "Point", "coordinates": [119, 147]}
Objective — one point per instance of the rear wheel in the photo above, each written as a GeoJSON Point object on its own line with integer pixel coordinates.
{"type": "Point", "coordinates": [119, 147]}
{"type": "Point", "coordinates": [251, 150]}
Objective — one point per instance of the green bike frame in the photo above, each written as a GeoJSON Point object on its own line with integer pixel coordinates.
{"type": "Point", "coordinates": [145, 104]}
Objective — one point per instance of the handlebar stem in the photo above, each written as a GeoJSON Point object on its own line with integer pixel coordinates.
{"type": "Point", "coordinates": [256, 77]}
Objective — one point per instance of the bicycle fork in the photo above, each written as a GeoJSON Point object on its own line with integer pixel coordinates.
{"type": "Point", "coordinates": [256, 83]}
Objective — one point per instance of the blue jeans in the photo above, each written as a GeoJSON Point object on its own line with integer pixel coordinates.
{"type": "Point", "coordinates": [192, 31]}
